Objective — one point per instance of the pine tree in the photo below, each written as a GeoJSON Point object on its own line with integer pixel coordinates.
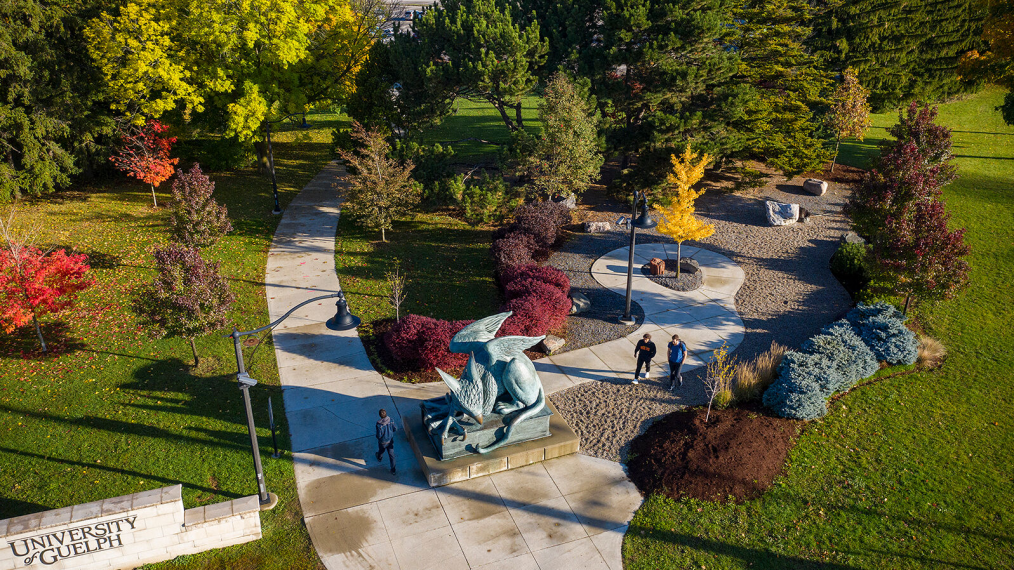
{"type": "Point", "coordinates": [781, 125]}
{"type": "Point", "coordinates": [664, 76]}
{"type": "Point", "coordinates": [678, 220]}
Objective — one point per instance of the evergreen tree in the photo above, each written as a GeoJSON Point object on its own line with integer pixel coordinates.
{"type": "Point", "coordinates": [664, 76]}
{"type": "Point", "coordinates": [996, 62]}
{"type": "Point", "coordinates": [781, 125]}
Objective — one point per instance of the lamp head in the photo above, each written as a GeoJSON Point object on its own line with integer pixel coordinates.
{"type": "Point", "coordinates": [343, 320]}
{"type": "Point", "coordinates": [643, 220]}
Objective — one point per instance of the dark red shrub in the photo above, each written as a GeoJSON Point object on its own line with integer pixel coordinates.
{"type": "Point", "coordinates": [421, 342]}
{"type": "Point", "coordinates": [542, 309]}
{"type": "Point", "coordinates": [539, 224]}
{"type": "Point", "coordinates": [546, 274]}
{"type": "Point", "coordinates": [512, 250]}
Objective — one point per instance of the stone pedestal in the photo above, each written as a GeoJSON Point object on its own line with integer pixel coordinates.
{"type": "Point", "coordinates": [493, 428]}
{"type": "Point", "coordinates": [561, 441]}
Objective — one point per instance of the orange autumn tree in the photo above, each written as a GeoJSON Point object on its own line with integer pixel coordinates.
{"type": "Point", "coordinates": [678, 220]}
{"type": "Point", "coordinates": [144, 153]}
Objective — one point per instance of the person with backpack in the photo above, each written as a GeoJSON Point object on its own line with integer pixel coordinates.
{"type": "Point", "coordinates": [643, 352]}
{"type": "Point", "coordinates": [677, 354]}
{"type": "Point", "coordinates": [385, 439]}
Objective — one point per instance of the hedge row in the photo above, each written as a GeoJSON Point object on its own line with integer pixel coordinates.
{"type": "Point", "coordinates": [535, 228]}
{"type": "Point", "coordinates": [844, 353]}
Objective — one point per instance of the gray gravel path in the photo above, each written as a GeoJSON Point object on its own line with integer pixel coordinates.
{"type": "Point", "coordinates": [788, 295]}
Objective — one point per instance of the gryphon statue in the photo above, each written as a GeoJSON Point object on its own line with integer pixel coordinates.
{"type": "Point", "coordinates": [499, 378]}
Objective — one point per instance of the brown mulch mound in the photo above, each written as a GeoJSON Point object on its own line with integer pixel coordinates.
{"type": "Point", "coordinates": [738, 454]}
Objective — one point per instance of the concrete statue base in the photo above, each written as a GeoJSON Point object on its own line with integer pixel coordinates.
{"type": "Point", "coordinates": [481, 435]}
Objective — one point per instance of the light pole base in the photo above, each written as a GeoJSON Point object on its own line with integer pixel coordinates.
{"type": "Point", "coordinates": [629, 321]}
{"type": "Point", "coordinates": [277, 211]}
{"type": "Point", "coordinates": [272, 501]}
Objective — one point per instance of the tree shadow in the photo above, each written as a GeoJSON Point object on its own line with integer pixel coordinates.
{"type": "Point", "coordinates": [23, 344]}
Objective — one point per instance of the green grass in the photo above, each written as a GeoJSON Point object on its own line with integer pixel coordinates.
{"type": "Point", "coordinates": [117, 412]}
{"type": "Point", "coordinates": [478, 120]}
{"type": "Point", "coordinates": [910, 472]}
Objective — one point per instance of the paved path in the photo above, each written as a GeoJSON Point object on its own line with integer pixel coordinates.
{"type": "Point", "coordinates": [567, 513]}
{"type": "Point", "coordinates": [705, 318]}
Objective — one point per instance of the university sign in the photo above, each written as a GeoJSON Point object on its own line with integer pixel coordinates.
{"type": "Point", "coordinates": [53, 547]}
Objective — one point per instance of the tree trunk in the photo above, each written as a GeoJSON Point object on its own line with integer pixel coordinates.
{"type": "Point", "coordinates": [155, 201]}
{"type": "Point", "coordinates": [197, 359]}
{"type": "Point", "coordinates": [383, 235]}
{"type": "Point", "coordinates": [679, 256]}
{"type": "Point", "coordinates": [38, 331]}
{"type": "Point", "coordinates": [908, 299]}
{"type": "Point", "coordinates": [835, 159]}
{"type": "Point", "coordinates": [517, 113]}
{"type": "Point", "coordinates": [503, 114]}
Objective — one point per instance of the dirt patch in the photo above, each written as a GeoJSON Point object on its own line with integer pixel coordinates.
{"type": "Point", "coordinates": [738, 454]}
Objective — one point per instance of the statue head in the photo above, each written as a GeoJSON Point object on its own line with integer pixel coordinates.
{"type": "Point", "coordinates": [467, 391]}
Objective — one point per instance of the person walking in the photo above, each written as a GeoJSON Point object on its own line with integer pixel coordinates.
{"type": "Point", "coordinates": [643, 352]}
{"type": "Point", "coordinates": [385, 439]}
{"type": "Point", "coordinates": [677, 354]}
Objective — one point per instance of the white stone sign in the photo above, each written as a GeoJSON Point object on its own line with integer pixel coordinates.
{"type": "Point", "coordinates": [125, 532]}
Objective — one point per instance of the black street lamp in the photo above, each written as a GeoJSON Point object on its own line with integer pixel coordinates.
{"type": "Point", "coordinates": [644, 222]}
{"type": "Point", "coordinates": [343, 320]}
{"type": "Point", "coordinates": [271, 157]}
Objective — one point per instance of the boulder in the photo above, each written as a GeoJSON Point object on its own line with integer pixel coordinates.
{"type": "Point", "coordinates": [551, 344]}
{"type": "Point", "coordinates": [597, 227]}
{"type": "Point", "coordinates": [780, 214]}
{"type": "Point", "coordinates": [578, 303]}
{"type": "Point", "coordinates": [569, 201]}
{"type": "Point", "coordinates": [852, 237]}
{"type": "Point", "coordinates": [815, 187]}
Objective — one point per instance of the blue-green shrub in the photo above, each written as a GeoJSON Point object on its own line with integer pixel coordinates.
{"type": "Point", "coordinates": [798, 391]}
{"type": "Point", "coordinates": [846, 353]}
{"type": "Point", "coordinates": [882, 328]}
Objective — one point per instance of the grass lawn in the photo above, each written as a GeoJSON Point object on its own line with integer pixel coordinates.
{"type": "Point", "coordinates": [479, 120]}
{"type": "Point", "coordinates": [114, 411]}
{"type": "Point", "coordinates": [911, 472]}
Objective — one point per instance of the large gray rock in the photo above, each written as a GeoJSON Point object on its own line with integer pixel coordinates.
{"type": "Point", "coordinates": [780, 214]}
{"type": "Point", "coordinates": [852, 237]}
{"type": "Point", "coordinates": [579, 303]}
{"type": "Point", "coordinates": [551, 344]}
{"type": "Point", "coordinates": [569, 201]}
{"type": "Point", "coordinates": [597, 227]}
{"type": "Point", "coordinates": [815, 187]}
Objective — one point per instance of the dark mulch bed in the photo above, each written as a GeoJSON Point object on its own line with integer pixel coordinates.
{"type": "Point", "coordinates": [738, 454]}
{"type": "Point", "coordinates": [690, 276]}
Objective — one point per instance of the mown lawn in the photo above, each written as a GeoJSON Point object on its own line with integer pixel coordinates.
{"type": "Point", "coordinates": [113, 411]}
{"type": "Point", "coordinates": [911, 472]}
{"type": "Point", "coordinates": [479, 120]}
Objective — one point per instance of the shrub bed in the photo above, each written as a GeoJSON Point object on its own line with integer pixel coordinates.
{"type": "Point", "coordinates": [421, 342]}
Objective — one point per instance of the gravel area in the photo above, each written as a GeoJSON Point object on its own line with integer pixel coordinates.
{"type": "Point", "coordinates": [690, 276]}
{"type": "Point", "coordinates": [788, 295]}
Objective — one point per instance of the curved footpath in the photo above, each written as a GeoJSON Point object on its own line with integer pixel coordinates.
{"type": "Point", "coordinates": [565, 513]}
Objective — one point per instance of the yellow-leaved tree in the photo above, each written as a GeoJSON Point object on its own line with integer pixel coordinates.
{"type": "Point", "coordinates": [678, 220]}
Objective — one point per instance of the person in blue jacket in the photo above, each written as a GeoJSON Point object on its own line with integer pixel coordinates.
{"type": "Point", "coordinates": [677, 354]}
{"type": "Point", "coordinates": [385, 439]}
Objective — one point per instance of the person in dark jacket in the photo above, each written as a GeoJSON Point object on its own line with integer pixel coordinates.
{"type": "Point", "coordinates": [677, 354]}
{"type": "Point", "coordinates": [643, 352]}
{"type": "Point", "coordinates": [385, 438]}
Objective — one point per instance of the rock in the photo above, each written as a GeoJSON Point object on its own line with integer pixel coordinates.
{"type": "Point", "coordinates": [597, 227]}
{"type": "Point", "coordinates": [780, 214]}
{"type": "Point", "coordinates": [657, 266]}
{"type": "Point", "coordinates": [579, 303]}
{"type": "Point", "coordinates": [815, 187]}
{"type": "Point", "coordinates": [569, 201]}
{"type": "Point", "coordinates": [852, 237]}
{"type": "Point", "coordinates": [551, 344]}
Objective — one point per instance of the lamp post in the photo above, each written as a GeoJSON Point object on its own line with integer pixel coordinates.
{"type": "Point", "coordinates": [271, 157]}
{"type": "Point", "coordinates": [343, 320]}
{"type": "Point", "coordinates": [644, 222]}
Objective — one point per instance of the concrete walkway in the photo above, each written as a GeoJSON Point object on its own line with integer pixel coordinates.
{"type": "Point", "coordinates": [705, 318]}
{"type": "Point", "coordinates": [565, 513]}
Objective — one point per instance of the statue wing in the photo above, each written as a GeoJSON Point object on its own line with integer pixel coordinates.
{"type": "Point", "coordinates": [507, 347]}
{"type": "Point", "coordinates": [480, 332]}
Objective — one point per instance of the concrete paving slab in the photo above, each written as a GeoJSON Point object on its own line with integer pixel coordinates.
{"type": "Point", "coordinates": [302, 348]}
{"type": "Point", "coordinates": [548, 523]}
{"type": "Point", "coordinates": [346, 457]}
{"type": "Point", "coordinates": [576, 473]}
{"type": "Point", "coordinates": [617, 354]}
{"type": "Point", "coordinates": [707, 311]}
{"type": "Point", "coordinates": [433, 550]}
{"type": "Point", "coordinates": [576, 555]}
{"type": "Point", "coordinates": [672, 317]}
{"type": "Point", "coordinates": [413, 513]}
{"type": "Point", "coordinates": [583, 366]}
{"type": "Point", "coordinates": [347, 530]}
{"type": "Point", "coordinates": [607, 507]}
{"type": "Point", "coordinates": [317, 427]}
{"type": "Point", "coordinates": [359, 487]}
{"type": "Point", "coordinates": [470, 500]}
{"type": "Point", "coordinates": [492, 539]}
{"type": "Point", "coordinates": [673, 250]}
{"type": "Point", "coordinates": [374, 557]}
{"type": "Point", "coordinates": [364, 411]}
{"type": "Point", "coordinates": [354, 366]}
{"type": "Point", "coordinates": [610, 546]}
{"type": "Point", "coordinates": [553, 378]}
{"type": "Point", "coordinates": [526, 485]}
{"type": "Point", "coordinates": [523, 562]}
{"type": "Point", "coordinates": [649, 250]}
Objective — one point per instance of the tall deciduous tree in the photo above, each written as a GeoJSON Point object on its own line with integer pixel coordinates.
{"type": "Point", "coordinates": [995, 63]}
{"type": "Point", "coordinates": [781, 127]}
{"type": "Point", "coordinates": [144, 153]}
{"type": "Point", "coordinates": [197, 220]}
{"type": "Point", "coordinates": [34, 283]}
{"type": "Point", "coordinates": [664, 76]}
{"type": "Point", "coordinates": [188, 298]}
{"type": "Point", "coordinates": [678, 220]}
{"type": "Point", "coordinates": [850, 111]}
{"type": "Point", "coordinates": [379, 189]}
{"type": "Point", "coordinates": [564, 159]}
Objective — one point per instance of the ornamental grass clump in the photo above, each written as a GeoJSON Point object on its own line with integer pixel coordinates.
{"type": "Point", "coordinates": [931, 352]}
{"type": "Point", "coordinates": [753, 377]}
{"type": "Point", "coordinates": [882, 328]}
{"type": "Point", "coordinates": [846, 352]}
{"type": "Point", "coordinates": [798, 392]}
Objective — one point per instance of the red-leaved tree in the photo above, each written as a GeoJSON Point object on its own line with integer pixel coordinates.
{"type": "Point", "coordinates": [144, 153]}
{"type": "Point", "coordinates": [34, 283]}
